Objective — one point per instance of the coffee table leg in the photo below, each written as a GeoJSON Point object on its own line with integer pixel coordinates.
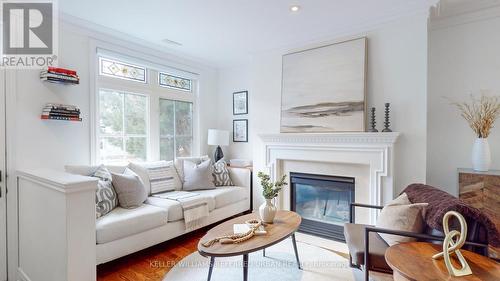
{"type": "Point", "coordinates": [210, 268]}
{"type": "Point", "coordinates": [245, 267]}
{"type": "Point", "coordinates": [295, 250]}
{"type": "Point", "coordinates": [264, 252]}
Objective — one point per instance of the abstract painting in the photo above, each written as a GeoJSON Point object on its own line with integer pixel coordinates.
{"type": "Point", "coordinates": [323, 89]}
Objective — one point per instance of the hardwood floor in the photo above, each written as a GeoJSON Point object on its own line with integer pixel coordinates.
{"type": "Point", "coordinates": [152, 263]}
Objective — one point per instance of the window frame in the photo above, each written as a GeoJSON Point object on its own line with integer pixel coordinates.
{"type": "Point", "coordinates": [151, 88]}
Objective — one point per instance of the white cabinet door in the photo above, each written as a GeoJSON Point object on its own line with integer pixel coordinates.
{"type": "Point", "coordinates": [3, 200]}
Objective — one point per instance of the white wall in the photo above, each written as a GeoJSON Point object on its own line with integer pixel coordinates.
{"type": "Point", "coordinates": [52, 144]}
{"type": "Point", "coordinates": [463, 59]}
{"type": "Point", "coordinates": [397, 67]}
{"type": "Point", "coordinates": [230, 81]}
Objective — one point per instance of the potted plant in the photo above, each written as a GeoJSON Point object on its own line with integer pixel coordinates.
{"type": "Point", "coordinates": [481, 115]}
{"type": "Point", "coordinates": [270, 190]}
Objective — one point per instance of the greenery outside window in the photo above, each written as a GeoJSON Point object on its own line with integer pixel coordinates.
{"type": "Point", "coordinates": [123, 126]}
{"type": "Point", "coordinates": [176, 129]}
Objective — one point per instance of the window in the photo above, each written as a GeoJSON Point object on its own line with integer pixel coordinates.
{"type": "Point", "coordinates": [176, 129]}
{"type": "Point", "coordinates": [142, 119]}
{"type": "Point", "coordinates": [121, 70]}
{"type": "Point", "coordinates": [123, 129]}
{"type": "Point", "coordinates": [167, 80]}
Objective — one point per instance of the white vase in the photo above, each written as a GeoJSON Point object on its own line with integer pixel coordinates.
{"type": "Point", "coordinates": [267, 211]}
{"type": "Point", "coordinates": [481, 156]}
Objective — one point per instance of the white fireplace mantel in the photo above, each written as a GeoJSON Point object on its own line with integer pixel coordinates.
{"type": "Point", "coordinates": [376, 150]}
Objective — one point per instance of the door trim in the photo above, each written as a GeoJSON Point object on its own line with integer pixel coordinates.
{"type": "Point", "coordinates": [10, 134]}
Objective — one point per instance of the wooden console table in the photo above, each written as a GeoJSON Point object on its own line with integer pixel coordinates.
{"type": "Point", "coordinates": [413, 261]}
{"type": "Point", "coordinates": [482, 190]}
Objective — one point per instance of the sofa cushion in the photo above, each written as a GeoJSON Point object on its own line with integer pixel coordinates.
{"type": "Point", "coordinates": [220, 174]}
{"type": "Point", "coordinates": [355, 239]}
{"type": "Point", "coordinates": [159, 176]}
{"type": "Point", "coordinates": [179, 164]}
{"type": "Point", "coordinates": [130, 189]}
{"type": "Point", "coordinates": [401, 214]}
{"type": "Point", "coordinates": [225, 195]}
{"type": "Point", "coordinates": [197, 176]}
{"type": "Point", "coordinates": [120, 222]}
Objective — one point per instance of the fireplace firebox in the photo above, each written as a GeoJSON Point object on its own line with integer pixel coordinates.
{"type": "Point", "coordinates": [323, 202]}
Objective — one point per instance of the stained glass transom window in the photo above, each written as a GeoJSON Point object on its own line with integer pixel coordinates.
{"type": "Point", "coordinates": [122, 70]}
{"type": "Point", "coordinates": [175, 82]}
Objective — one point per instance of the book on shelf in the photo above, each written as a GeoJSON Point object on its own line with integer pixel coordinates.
{"type": "Point", "coordinates": [57, 111]}
{"type": "Point", "coordinates": [46, 117]}
{"type": "Point", "coordinates": [59, 75]}
{"type": "Point", "coordinates": [61, 70]}
{"type": "Point", "coordinates": [45, 74]}
{"type": "Point", "coordinates": [58, 106]}
{"type": "Point", "coordinates": [59, 80]}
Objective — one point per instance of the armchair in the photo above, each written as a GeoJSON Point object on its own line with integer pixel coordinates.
{"type": "Point", "coordinates": [367, 248]}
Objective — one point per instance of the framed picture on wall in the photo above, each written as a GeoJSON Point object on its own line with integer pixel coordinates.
{"type": "Point", "coordinates": [240, 130]}
{"type": "Point", "coordinates": [240, 103]}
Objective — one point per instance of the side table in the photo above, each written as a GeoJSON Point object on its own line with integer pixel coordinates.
{"type": "Point", "coordinates": [413, 261]}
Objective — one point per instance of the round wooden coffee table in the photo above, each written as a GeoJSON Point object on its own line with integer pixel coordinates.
{"type": "Point", "coordinates": [285, 224]}
{"type": "Point", "coordinates": [413, 261]}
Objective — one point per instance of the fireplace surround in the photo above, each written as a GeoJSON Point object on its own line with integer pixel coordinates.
{"type": "Point", "coordinates": [372, 150]}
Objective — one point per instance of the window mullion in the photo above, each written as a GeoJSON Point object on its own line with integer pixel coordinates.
{"type": "Point", "coordinates": [124, 144]}
{"type": "Point", "coordinates": [175, 130]}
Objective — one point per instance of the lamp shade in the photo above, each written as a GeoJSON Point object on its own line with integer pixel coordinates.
{"type": "Point", "coordinates": [218, 137]}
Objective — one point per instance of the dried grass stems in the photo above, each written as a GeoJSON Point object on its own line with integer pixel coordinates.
{"type": "Point", "coordinates": [480, 113]}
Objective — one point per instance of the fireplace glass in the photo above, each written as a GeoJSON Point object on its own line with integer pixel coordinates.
{"type": "Point", "coordinates": [322, 202]}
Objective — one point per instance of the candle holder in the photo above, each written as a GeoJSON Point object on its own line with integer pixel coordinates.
{"type": "Point", "coordinates": [372, 121]}
{"type": "Point", "coordinates": [387, 122]}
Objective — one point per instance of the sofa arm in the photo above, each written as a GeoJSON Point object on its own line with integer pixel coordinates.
{"type": "Point", "coordinates": [240, 176]}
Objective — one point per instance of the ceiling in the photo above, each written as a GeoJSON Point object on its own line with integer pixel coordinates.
{"type": "Point", "coordinates": [225, 32]}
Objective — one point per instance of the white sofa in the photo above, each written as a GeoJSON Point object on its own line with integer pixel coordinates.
{"type": "Point", "coordinates": [125, 231]}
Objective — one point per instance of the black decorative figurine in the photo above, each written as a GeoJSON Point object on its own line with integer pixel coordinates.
{"type": "Point", "coordinates": [387, 123]}
{"type": "Point", "coordinates": [372, 121]}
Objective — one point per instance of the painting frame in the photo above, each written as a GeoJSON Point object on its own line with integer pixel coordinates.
{"type": "Point", "coordinates": [301, 115]}
{"type": "Point", "coordinates": [236, 131]}
{"type": "Point", "coordinates": [240, 98]}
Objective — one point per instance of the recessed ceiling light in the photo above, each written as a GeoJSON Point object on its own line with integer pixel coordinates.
{"type": "Point", "coordinates": [294, 8]}
{"type": "Point", "coordinates": [171, 42]}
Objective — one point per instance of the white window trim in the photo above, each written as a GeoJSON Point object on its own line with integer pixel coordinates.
{"type": "Point", "coordinates": [160, 65]}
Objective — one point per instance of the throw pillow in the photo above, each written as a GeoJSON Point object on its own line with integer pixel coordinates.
{"type": "Point", "coordinates": [220, 174]}
{"type": "Point", "coordinates": [106, 198]}
{"type": "Point", "coordinates": [160, 176]}
{"type": "Point", "coordinates": [179, 164]}
{"type": "Point", "coordinates": [130, 189]}
{"type": "Point", "coordinates": [401, 214]}
{"type": "Point", "coordinates": [197, 176]}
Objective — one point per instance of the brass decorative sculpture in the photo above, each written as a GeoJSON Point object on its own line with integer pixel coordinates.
{"type": "Point", "coordinates": [453, 241]}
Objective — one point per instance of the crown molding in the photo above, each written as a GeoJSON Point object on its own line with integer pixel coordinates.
{"type": "Point", "coordinates": [465, 16]}
{"type": "Point", "coordinates": [106, 34]}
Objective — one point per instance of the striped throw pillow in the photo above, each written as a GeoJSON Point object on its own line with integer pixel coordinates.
{"type": "Point", "coordinates": [158, 176]}
{"type": "Point", "coordinates": [161, 178]}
